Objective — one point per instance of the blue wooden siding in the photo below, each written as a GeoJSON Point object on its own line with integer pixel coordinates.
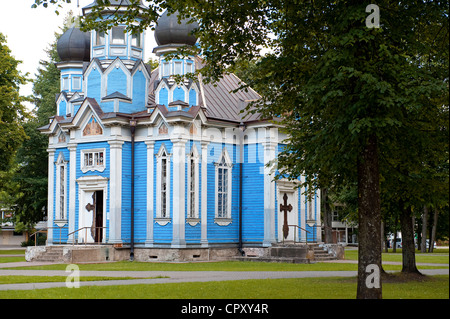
{"type": "Point", "coordinates": [140, 192]}
{"type": "Point", "coordinates": [62, 108]}
{"type": "Point", "coordinates": [117, 82]}
{"type": "Point", "coordinates": [94, 80]}
{"type": "Point", "coordinates": [192, 97]}
{"type": "Point", "coordinates": [164, 97]}
{"type": "Point", "coordinates": [253, 194]}
{"type": "Point", "coordinates": [179, 94]}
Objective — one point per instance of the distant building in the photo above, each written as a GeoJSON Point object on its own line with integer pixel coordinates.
{"type": "Point", "coordinates": [137, 157]}
{"type": "Point", "coordinates": [344, 232]}
{"type": "Point", "coordinates": [8, 235]}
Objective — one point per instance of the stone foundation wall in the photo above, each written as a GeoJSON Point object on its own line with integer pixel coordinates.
{"type": "Point", "coordinates": [80, 254]}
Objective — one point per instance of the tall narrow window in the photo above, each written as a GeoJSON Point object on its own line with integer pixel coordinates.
{"type": "Point", "coordinates": [193, 186]}
{"type": "Point", "coordinates": [192, 189]}
{"type": "Point", "coordinates": [223, 189]}
{"type": "Point", "coordinates": [60, 187]}
{"type": "Point", "coordinates": [162, 186]}
{"type": "Point", "coordinates": [62, 195]}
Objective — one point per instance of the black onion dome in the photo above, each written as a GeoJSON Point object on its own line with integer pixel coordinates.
{"type": "Point", "coordinates": [169, 31]}
{"type": "Point", "coordinates": [74, 45]}
{"type": "Point", "coordinates": [115, 3]}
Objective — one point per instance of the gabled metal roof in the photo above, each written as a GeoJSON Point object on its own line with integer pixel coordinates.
{"type": "Point", "coordinates": [219, 101]}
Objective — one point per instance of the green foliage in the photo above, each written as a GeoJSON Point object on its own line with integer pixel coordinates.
{"type": "Point", "coordinates": [12, 110]}
{"type": "Point", "coordinates": [32, 157]}
{"type": "Point", "coordinates": [12, 116]}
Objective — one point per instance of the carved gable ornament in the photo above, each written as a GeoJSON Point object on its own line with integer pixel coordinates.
{"type": "Point", "coordinates": [92, 128]}
{"type": "Point", "coordinates": [163, 129]}
{"type": "Point", "coordinates": [61, 138]}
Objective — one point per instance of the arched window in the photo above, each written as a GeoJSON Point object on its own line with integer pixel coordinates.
{"type": "Point", "coordinates": [193, 184]}
{"type": "Point", "coordinates": [163, 186]}
{"type": "Point", "coordinates": [61, 185]}
{"type": "Point", "coordinates": [223, 189]}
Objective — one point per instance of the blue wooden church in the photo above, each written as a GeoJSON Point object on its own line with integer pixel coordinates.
{"type": "Point", "coordinates": [140, 160]}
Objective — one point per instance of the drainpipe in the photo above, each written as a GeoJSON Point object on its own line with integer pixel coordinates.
{"type": "Point", "coordinates": [133, 130]}
{"type": "Point", "coordinates": [241, 161]}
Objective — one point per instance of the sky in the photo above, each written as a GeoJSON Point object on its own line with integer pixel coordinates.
{"type": "Point", "coordinates": [29, 32]}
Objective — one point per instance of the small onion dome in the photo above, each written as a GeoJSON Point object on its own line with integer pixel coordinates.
{"type": "Point", "coordinates": [74, 45]}
{"type": "Point", "coordinates": [169, 31]}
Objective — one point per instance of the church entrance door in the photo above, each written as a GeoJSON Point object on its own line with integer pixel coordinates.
{"type": "Point", "coordinates": [91, 217]}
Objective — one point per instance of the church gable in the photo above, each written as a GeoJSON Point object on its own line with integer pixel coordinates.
{"type": "Point", "coordinates": [92, 128]}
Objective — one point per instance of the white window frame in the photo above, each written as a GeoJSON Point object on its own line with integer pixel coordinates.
{"type": "Point", "coordinates": [65, 84]}
{"type": "Point", "coordinates": [99, 38]}
{"type": "Point", "coordinates": [76, 83]}
{"type": "Point", "coordinates": [95, 153]}
{"type": "Point", "coordinates": [162, 154]}
{"type": "Point", "coordinates": [189, 67]}
{"type": "Point", "coordinates": [165, 68]}
{"type": "Point", "coordinates": [118, 30]}
{"type": "Point", "coordinates": [224, 163]}
{"type": "Point", "coordinates": [61, 190]}
{"type": "Point", "coordinates": [136, 40]}
{"type": "Point", "coordinates": [176, 65]}
{"type": "Point", "coordinates": [193, 189]}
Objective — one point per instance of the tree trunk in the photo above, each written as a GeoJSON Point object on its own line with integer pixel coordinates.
{"type": "Point", "coordinates": [369, 256]}
{"type": "Point", "coordinates": [433, 231]}
{"type": "Point", "coordinates": [408, 248]}
{"type": "Point", "coordinates": [327, 217]}
{"type": "Point", "coordinates": [423, 244]}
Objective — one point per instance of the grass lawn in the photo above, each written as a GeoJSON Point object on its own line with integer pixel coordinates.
{"type": "Point", "coordinates": [435, 287]}
{"type": "Point", "coordinates": [394, 286]}
{"type": "Point", "coordinates": [439, 256]}
{"type": "Point", "coordinates": [11, 259]}
{"type": "Point", "coordinates": [12, 252]}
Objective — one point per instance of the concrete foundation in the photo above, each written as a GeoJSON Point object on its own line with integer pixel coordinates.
{"type": "Point", "coordinates": [80, 254]}
{"type": "Point", "coordinates": [104, 253]}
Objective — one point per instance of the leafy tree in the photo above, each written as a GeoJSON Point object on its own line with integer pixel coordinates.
{"type": "Point", "coordinates": [344, 91]}
{"type": "Point", "coordinates": [32, 157]}
{"type": "Point", "coordinates": [12, 115]}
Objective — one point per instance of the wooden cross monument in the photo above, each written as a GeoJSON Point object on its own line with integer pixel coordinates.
{"type": "Point", "coordinates": [285, 208]}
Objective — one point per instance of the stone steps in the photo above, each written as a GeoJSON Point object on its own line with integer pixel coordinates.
{"type": "Point", "coordinates": [291, 260]}
{"type": "Point", "coordinates": [292, 253]}
{"type": "Point", "coordinates": [288, 253]}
